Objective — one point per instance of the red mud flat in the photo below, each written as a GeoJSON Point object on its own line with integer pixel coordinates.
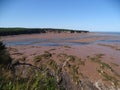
{"type": "Point", "coordinates": [43, 36]}
{"type": "Point", "coordinates": [90, 54]}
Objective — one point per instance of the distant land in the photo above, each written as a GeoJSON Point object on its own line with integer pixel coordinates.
{"type": "Point", "coordinates": [17, 31]}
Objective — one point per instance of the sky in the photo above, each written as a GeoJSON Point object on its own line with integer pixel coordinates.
{"type": "Point", "coordinates": [92, 15]}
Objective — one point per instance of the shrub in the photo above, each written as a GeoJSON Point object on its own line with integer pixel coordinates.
{"type": "Point", "coordinates": [5, 59]}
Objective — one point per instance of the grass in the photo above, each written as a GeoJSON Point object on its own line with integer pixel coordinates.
{"type": "Point", "coordinates": [103, 65]}
{"type": "Point", "coordinates": [38, 82]}
{"type": "Point", "coordinates": [95, 59]}
{"type": "Point", "coordinates": [74, 74]}
{"type": "Point", "coordinates": [37, 58]}
{"type": "Point", "coordinates": [75, 59]}
{"type": "Point", "coordinates": [111, 46]}
{"type": "Point", "coordinates": [46, 55]}
{"type": "Point", "coordinates": [99, 55]}
{"type": "Point", "coordinates": [67, 46]}
{"type": "Point", "coordinates": [81, 62]}
{"type": "Point", "coordinates": [114, 64]}
{"type": "Point", "coordinates": [53, 65]}
{"type": "Point", "coordinates": [107, 77]}
{"type": "Point", "coordinates": [52, 49]}
{"type": "Point", "coordinates": [71, 58]}
{"type": "Point", "coordinates": [23, 58]}
{"type": "Point", "coordinates": [72, 66]}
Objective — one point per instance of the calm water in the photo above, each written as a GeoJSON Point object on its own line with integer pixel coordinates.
{"type": "Point", "coordinates": [62, 41]}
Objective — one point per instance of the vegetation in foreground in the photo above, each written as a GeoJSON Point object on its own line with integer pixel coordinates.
{"type": "Point", "coordinates": [35, 79]}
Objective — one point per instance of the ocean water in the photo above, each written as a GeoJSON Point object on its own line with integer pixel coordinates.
{"type": "Point", "coordinates": [109, 33]}
{"type": "Point", "coordinates": [62, 41]}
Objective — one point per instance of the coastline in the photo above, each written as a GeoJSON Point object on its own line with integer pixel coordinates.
{"type": "Point", "coordinates": [108, 53]}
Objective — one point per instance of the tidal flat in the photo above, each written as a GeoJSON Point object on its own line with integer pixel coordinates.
{"type": "Point", "coordinates": [78, 61]}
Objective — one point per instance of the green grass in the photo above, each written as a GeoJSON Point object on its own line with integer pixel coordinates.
{"type": "Point", "coordinates": [33, 81]}
{"type": "Point", "coordinates": [53, 65]}
{"type": "Point", "coordinates": [38, 82]}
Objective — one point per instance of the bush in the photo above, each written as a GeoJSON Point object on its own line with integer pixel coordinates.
{"type": "Point", "coordinates": [5, 59]}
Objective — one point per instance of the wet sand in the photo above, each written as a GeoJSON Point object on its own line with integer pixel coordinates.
{"type": "Point", "coordinates": [85, 46]}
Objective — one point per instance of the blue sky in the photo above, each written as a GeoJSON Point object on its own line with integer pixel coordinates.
{"type": "Point", "coordinates": [93, 15]}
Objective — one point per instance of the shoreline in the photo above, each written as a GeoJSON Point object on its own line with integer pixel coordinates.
{"type": "Point", "coordinates": [108, 54]}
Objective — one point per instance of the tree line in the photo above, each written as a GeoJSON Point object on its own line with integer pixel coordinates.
{"type": "Point", "coordinates": [17, 31]}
